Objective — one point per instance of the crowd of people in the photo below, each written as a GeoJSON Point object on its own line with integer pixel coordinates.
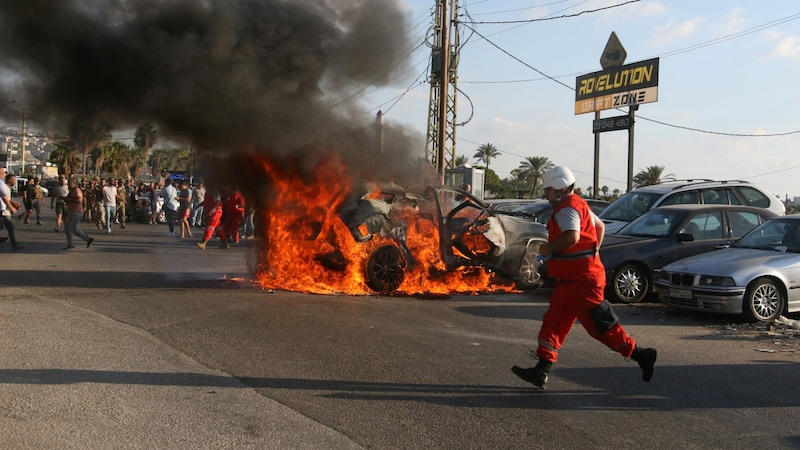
{"type": "Point", "coordinates": [114, 203]}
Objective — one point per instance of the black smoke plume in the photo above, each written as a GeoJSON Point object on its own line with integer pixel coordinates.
{"type": "Point", "coordinates": [235, 77]}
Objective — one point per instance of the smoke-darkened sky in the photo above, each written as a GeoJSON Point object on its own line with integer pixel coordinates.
{"type": "Point", "coordinates": [228, 74]}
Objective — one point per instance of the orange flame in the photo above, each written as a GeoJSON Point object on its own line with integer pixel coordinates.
{"type": "Point", "coordinates": [307, 247]}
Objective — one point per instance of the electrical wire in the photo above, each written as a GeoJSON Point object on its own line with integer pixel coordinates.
{"type": "Point", "coordinates": [638, 116]}
{"type": "Point", "coordinates": [563, 16]}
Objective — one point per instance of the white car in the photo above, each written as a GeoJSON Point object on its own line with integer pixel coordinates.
{"type": "Point", "coordinates": [687, 192]}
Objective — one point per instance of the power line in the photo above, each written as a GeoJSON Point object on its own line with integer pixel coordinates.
{"type": "Point", "coordinates": [563, 16]}
{"type": "Point", "coordinates": [638, 116]}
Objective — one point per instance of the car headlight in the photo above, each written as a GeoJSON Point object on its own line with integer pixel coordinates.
{"type": "Point", "coordinates": [712, 280]}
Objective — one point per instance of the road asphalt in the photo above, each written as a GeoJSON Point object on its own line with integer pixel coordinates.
{"type": "Point", "coordinates": [72, 378]}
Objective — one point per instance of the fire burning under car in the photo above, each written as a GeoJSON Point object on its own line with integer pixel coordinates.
{"type": "Point", "coordinates": [323, 236]}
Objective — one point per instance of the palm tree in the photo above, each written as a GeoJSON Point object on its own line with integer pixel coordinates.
{"type": "Point", "coordinates": [88, 134]}
{"type": "Point", "coordinates": [651, 175]}
{"type": "Point", "coordinates": [604, 190]}
{"type": "Point", "coordinates": [461, 160]}
{"type": "Point", "coordinates": [66, 157]}
{"type": "Point", "coordinates": [145, 138]}
{"type": "Point", "coordinates": [117, 157]}
{"type": "Point", "coordinates": [533, 168]}
{"type": "Point", "coordinates": [99, 156]}
{"type": "Point", "coordinates": [171, 159]}
{"type": "Point", "coordinates": [486, 153]}
{"type": "Point", "coordinates": [136, 162]}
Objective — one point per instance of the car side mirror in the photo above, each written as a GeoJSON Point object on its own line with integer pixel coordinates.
{"type": "Point", "coordinates": [685, 237]}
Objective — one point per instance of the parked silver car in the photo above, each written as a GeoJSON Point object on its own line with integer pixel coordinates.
{"type": "Point", "coordinates": [758, 276]}
{"type": "Point", "coordinates": [634, 256]}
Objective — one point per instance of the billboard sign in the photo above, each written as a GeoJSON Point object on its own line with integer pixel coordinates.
{"type": "Point", "coordinates": [628, 85]}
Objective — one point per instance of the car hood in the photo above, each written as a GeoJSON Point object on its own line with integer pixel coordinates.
{"type": "Point", "coordinates": [621, 240]}
{"type": "Point", "coordinates": [612, 226]}
{"type": "Point", "coordinates": [726, 262]}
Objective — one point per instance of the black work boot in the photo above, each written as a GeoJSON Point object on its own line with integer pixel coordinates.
{"type": "Point", "coordinates": [535, 375]}
{"type": "Point", "coordinates": [646, 358]}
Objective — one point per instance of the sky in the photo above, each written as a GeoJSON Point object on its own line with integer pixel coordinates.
{"type": "Point", "coordinates": [728, 97]}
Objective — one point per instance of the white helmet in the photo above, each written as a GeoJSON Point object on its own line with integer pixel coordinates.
{"type": "Point", "coordinates": [559, 177]}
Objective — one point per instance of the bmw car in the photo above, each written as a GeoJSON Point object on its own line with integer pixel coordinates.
{"type": "Point", "coordinates": [634, 256]}
{"type": "Point", "coordinates": [758, 276]}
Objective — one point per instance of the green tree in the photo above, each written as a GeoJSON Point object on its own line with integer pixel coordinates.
{"type": "Point", "coordinates": [136, 162]}
{"type": "Point", "coordinates": [89, 134]}
{"type": "Point", "coordinates": [486, 153]}
{"type": "Point", "coordinates": [532, 169]}
{"type": "Point", "coordinates": [117, 158]}
{"type": "Point", "coordinates": [66, 157]}
{"type": "Point", "coordinates": [493, 185]}
{"type": "Point", "coordinates": [461, 160]}
{"type": "Point", "coordinates": [145, 138]}
{"type": "Point", "coordinates": [169, 159]}
{"type": "Point", "coordinates": [604, 190]}
{"type": "Point", "coordinates": [650, 176]}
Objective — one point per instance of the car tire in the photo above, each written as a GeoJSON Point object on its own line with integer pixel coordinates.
{"type": "Point", "coordinates": [529, 275]}
{"type": "Point", "coordinates": [629, 284]}
{"type": "Point", "coordinates": [764, 300]}
{"type": "Point", "coordinates": [386, 269]}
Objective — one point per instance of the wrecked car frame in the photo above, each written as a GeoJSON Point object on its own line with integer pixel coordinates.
{"type": "Point", "coordinates": [471, 234]}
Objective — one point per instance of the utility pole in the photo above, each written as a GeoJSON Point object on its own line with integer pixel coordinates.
{"type": "Point", "coordinates": [22, 155]}
{"type": "Point", "coordinates": [379, 132]}
{"type": "Point", "coordinates": [441, 140]}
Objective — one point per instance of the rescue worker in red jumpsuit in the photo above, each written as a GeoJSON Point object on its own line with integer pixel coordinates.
{"type": "Point", "coordinates": [574, 237]}
{"type": "Point", "coordinates": [233, 212]}
{"type": "Point", "coordinates": [212, 217]}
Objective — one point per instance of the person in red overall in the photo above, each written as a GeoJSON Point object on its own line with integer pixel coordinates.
{"type": "Point", "coordinates": [233, 212]}
{"type": "Point", "coordinates": [212, 217]}
{"type": "Point", "coordinates": [574, 237]}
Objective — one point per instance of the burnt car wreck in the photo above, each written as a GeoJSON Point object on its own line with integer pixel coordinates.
{"type": "Point", "coordinates": [471, 234]}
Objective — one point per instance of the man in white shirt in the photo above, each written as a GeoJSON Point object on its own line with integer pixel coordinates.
{"type": "Point", "coordinates": [170, 196]}
{"type": "Point", "coordinates": [7, 207]}
{"type": "Point", "coordinates": [110, 202]}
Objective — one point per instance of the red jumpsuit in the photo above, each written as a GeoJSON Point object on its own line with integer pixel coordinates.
{"type": "Point", "coordinates": [233, 209]}
{"type": "Point", "coordinates": [212, 216]}
{"type": "Point", "coordinates": [579, 293]}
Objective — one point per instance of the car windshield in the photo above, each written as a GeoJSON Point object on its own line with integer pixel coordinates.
{"type": "Point", "coordinates": [539, 210]}
{"type": "Point", "coordinates": [775, 234]}
{"type": "Point", "coordinates": [655, 223]}
{"type": "Point", "coordinates": [630, 206]}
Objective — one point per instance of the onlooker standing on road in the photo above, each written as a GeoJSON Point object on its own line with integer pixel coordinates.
{"type": "Point", "coordinates": [122, 202]}
{"type": "Point", "coordinates": [38, 200]}
{"type": "Point", "coordinates": [74, 201]}
{"type": "Point", "coordinates": [575, 234]}
{"type": "Point", "coordinates": [248, 225]}
{"type": "Point", "coordinates": [98, 204]}
{"type": "Point", "coordinates": [110, 202]}
{"type": "Point", "coordinates": [184, 207]}
{"type": "Point", "coordinates": [7, 207]}
{"type": "Point", "coordinates": [57, 200]}
{"type": "Point", "coordinates": [154, 198]}
{"type": "Point", "coordinates": [27, 200]}
{"type": "Point", "coordinates": [170, 196]}
{"type": "Point", "coordinates": [198, 194]}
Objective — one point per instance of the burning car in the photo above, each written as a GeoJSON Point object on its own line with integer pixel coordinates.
{"type": "Point", "coordinates": [471, 234]}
